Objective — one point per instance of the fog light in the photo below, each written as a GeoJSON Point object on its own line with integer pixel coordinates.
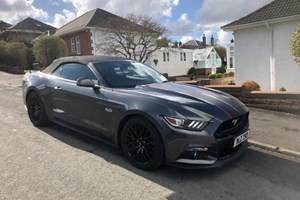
{"type": "Point", "coordinates": [198, 149]}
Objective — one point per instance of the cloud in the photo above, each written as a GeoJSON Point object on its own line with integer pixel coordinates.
{"type": "Point", "coordinates": [62, 19]}
{"type": "Point", "coordinates": [154, 8]}
{"type": "Point", "coordinates": [186, 38]}
{"type": "Point", "coordinates": [53, 3]}
{"type": "Point", "coordinates": [183, 26]}
{"type": "Point", "coordinates": [15, 10]}
{"type": "Point", "coordinates": [221, 12]}
{"type": "Point", "coordinates": [210, 17]}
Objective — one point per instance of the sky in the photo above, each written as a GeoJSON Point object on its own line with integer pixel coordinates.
{"type": "Point", "coordinates": [185, 19]}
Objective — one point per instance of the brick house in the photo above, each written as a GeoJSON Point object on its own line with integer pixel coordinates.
{"type": "Point", "coordinates": [84, 33]}
{"type": "Point", "coordinates": [26, 30]}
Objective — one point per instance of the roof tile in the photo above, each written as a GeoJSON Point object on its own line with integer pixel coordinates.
{"type": "Point", "coordinates": [275, 10]}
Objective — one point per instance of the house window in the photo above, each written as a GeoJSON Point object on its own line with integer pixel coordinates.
{"type": "Point", "coordinates": [73, 48]}
{"type": "Point", "coordinates": [75, 45]}
{"type": "Point", "coordinates": [168, 56]}
{"type": "Point", "coordinates": [180, 56]}
{"type": "Point", "coordinates": [78, 45]}
{"type": "Point", "coordinates": [184, 56]}
{"type": "Point", "coordinates": [164, 56]}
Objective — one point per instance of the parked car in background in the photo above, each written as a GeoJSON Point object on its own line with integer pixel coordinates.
{"type": "Point", "coordinates": [132, 106]}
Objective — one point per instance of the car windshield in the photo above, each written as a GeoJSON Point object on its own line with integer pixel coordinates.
{"type": "Point", "coordinates": [127, 74]}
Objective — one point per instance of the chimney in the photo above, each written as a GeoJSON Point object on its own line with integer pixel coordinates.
{"type": "Point", "coordinates": [212, 41]}
{"type": "Point", "coordinates": [204, 40]}
{"type": "Point", "coordinates": [176, 44]}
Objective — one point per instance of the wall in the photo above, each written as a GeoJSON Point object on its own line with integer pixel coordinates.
{"type": "Point", "coordinates": [85, 42]}
{"type": "Point", "coordinates": [280, 101]}
{"type": "Point", "coordinates": [252, 56]}
{"type": "Point", "coordinates": [97, 36]}
{"type": "Point", "coordinates": [287, 71]}
{"type": "Point", "coordinates": [173, 67]}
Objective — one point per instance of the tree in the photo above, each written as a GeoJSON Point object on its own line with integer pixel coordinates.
{"type": "Point", "coordinates": [295, 45]}
{"type": "Point", "coordinates": [135, 38]}
{"type": "Point", "coordinates": [48, 48]}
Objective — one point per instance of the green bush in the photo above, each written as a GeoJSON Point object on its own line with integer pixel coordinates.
{"type": "Point", "coordinates": [219, 75]}
{"type": "Point", "coordinates": [231, 74]}
{"type": "Point", "coordinates": [13, 54]}
{"type": "Point", "coordinates": [295, 45]}
{"type": "Point", "coordinates": [282, 89]}
{"type": "Point", "coordinates": [226, 74]}
{"type": "Point", "coordinates": [212, 76]}
{"type": "Point", "coordinates": [192, 73]}
{"type": "Point", "coordinates": [48, 48]}
{"type": "Point", "coordinates": [251, 85]}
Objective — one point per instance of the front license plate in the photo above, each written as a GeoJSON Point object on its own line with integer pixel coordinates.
{"type": "Point", "coordinates": [241, 139]}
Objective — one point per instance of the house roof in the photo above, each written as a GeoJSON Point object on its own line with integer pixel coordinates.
{"type": "Point", "coordinates": [32, 25]}
{"type": "Point", "coordinates": [201, 54]}
{"type": "Point", "coordinates": [4, 25]}
{"type": "Point", "coordinates": [94, 18]}
{"type": "Point", "coordinates": [193, 44]}
{"type": "Point", "coordinates": [276, 10]}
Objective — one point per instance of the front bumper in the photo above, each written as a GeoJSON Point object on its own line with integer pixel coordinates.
{"type": "Point", "coordinates": [207, 149]}
{"type": "Point", "coordinates": [218, 163]}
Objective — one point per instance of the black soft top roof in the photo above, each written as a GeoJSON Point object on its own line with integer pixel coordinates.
{"type": "Point", "coordinates": [78, 59]}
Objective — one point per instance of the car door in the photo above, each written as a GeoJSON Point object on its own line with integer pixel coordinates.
{"type": "Point", "coordinates": [83, 107]}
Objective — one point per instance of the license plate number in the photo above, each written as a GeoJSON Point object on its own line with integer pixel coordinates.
{"type": "Point", "coordinates": [241, 139]}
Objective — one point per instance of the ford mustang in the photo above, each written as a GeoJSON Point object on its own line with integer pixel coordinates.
{"type": "Point", "coordinates": [133, 107]}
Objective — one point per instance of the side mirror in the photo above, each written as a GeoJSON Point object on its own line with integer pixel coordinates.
{"type": "Point", "coordinates": [86, 82]}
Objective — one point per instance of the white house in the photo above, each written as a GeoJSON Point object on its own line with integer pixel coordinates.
{"type": "Point", "coordinates": [262, 46]}
{"type": "Point", "coordinates": [177, 61]}
{"type": "Point", "coordinates": [230, 57]}
{"type": "Point", "coordinates": [206, 58]}
{"type": "Point", "coordinates": [173, 61]}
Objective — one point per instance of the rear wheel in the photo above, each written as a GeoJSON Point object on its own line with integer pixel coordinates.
{"type": "Point", "coordinates": [36, 110]}
{"type": "Point", "coordinates": [142, 144]}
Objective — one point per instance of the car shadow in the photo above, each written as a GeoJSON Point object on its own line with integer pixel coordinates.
{"type": "Point", "coordinates": [251, 176]}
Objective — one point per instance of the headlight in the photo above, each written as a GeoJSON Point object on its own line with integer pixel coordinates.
{"type": "Point", "coordinates": [185, 123]}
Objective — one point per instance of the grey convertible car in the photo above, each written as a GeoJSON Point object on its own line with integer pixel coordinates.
{"type": "Point", "coordinates": [132, 106]}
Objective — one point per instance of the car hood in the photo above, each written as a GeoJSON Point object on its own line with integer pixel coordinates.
{"type": "Point", "coordinates": [193, 99]}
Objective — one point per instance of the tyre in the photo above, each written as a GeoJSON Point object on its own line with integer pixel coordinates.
{"type": "Point", "coordinates": [36, 110]}
{"type": "Point", "coordinates": [142, 144]}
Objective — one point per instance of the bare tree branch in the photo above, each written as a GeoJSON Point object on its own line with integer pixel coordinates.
{"type": "Point", "coordinates": [136, 38]}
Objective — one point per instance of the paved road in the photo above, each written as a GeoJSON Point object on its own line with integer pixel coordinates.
{"type": "Point", "coordinates": [56, 163]}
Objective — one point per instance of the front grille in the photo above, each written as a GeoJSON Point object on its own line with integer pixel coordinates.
{"type": "Point", "coordinates": [233, 126]}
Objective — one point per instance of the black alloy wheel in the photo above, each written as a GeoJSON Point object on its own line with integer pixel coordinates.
{"type": "Point", "coordinates": [36, 110]}
{"type": "Point", "coordinates": [142, 144]}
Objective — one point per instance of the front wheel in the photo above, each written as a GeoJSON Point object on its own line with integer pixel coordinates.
{"type": "Point", "coordinates": [36, 110]}
{"type": "Point", "coordinates": [142, 144]}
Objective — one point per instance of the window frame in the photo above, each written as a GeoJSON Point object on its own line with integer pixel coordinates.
{"type": "Point", "coordinates": [77, 44]}
{"type": "Point", "coordinates": [73, 47]}
{"type": "Point", "coordinates": [71, 80]}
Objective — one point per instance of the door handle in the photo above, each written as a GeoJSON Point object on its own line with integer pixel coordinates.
{"type": "Point", "coordinates": [57, 88]}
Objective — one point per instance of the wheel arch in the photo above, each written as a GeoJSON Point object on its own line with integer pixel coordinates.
{"type": "Point", "coordinates": [29, 91]}
{"type": "Point", "coordinates": [134, 114]}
